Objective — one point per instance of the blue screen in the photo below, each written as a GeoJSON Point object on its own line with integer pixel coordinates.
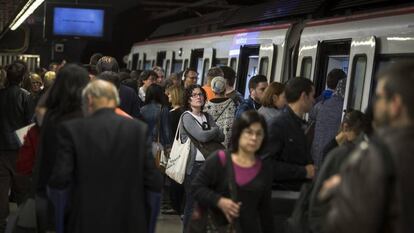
{"type": "Point", "coordinates": [78, 22]}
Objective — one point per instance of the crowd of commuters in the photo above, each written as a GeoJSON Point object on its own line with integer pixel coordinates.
{"type": "Point", "coordinates": [95, 132]}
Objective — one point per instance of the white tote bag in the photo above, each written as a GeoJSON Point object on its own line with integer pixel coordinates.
{"type": "Point", "coordinates": [177, 162]}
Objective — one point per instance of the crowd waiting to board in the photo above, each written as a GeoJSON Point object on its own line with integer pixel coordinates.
{"type": "Point", "coordinates": [106, 149]}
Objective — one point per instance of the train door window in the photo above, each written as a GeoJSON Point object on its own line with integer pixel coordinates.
{"type": "Point", "coordinates": [233, 63]}
{"type": "Point", "coordinates": [205, 70]}
{"type": "Point", "coordinates": [139, 65]}
{"type": "Point", "coordinates": [357, 82]}
{"type": "Point", "coordinates": [200, 70]}
{"type": "Point", "coordinates": [185, 64]}
{"type": "Point", "coordinates": [167, 67]}
{"type": "Point", "coordinates": [153, 63]}
{"type": "Point", "coordinates": [147, 65]}
{"type": "Point", "coordinates": [248, 67]}
{"type": "Point", "coordinates": [176, 66]}
{"type": "Point", "coordinates": [221, 62]}
{"type": "Point", "coordinates": [306, 69]}
{"type": "Point", "coordinates": [264, 65]}
{"type": "Point", "coordinates": [196, 59]}
{"type": "Point", "coordinates": [135, 61]}
{"type": "Point", "coordinates": [161, 57]}
{"type": "Point", "coordinates": [331, 55]}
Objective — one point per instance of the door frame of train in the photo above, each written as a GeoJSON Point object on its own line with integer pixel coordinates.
{"type": "Point", "coordinates": [169, 56]}
{"type": "Point", "coordinates": [361, 46]}
{"type": "Point", "coordinates": [210, 54]}
{"type": "Point", "coordinates": [322, 60]}
{"type": "Point", "coordinates": [307, 49]}
{"type": "Point", "coordinates": [268, 51]}
{"type": "Point", "coordinates": [243, 71]}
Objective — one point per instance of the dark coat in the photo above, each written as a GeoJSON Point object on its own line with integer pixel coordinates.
{"type": "Point", "coordinates": [105, 159]}
{"type": "Point", "coordinates": [212, 183]}
{"type": "Point", "coordinates": [287, 148]}
{"type": "Point", "coordinates": [130, 103]}
{"type": "Point", "coordinates": [16, 112]}
{"type": "Point", "coordinates": [359, 204]}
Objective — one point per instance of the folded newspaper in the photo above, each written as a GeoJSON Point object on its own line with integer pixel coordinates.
{"type": "Point", "coordinates": [20, 133]}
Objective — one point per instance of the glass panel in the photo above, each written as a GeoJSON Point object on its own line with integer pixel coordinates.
{"type": "Point", "coordinates": [221, 61]}
{"type": "Point", "coordinates": [233, 63]}
{"type": "Point", "coordinates": [147, 65]}
{"type": "Point", "coordinates": [357, 82]}
{"type": "Point", "coordinates": [167, 67]}
{"type": "Point", "coordinates": [205, 70]}
{"type": "Point", "coordinates": [264, 64]}
{"type": "Point", "coordinates": [185, 64]}
{"type": "Point", "coordinates": [176, 67]}
{"type": "Point", "coordinates": [306, 68]}
{"type": "Point", "coordinates": [134, 61]}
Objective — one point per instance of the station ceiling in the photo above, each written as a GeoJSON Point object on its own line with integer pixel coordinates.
{"type": "Point", "coordinates": [156, 9]}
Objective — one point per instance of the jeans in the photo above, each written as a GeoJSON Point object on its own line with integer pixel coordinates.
{"type": "Point", "coordinates": [189, 200]}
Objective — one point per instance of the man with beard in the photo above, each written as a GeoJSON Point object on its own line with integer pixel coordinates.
{"type": "Point", "coordinates": [374, 190]}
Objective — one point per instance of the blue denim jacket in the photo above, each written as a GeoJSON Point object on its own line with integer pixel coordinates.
{"type": "Point", "coordinates": [151, 113]}
{"type": "Point", "coordinates": [247, 104]}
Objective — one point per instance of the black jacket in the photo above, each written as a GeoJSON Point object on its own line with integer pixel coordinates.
{"type": "Point", "coordinates": [16, 112]}
{"type": "Point", "coordinates": [110, 167]}
{"type": "Point", "coordinates": [212, 183]}
{"type": "Point", "coordinates": [287, 148]}
{"type": "Point", "coordinates": [360, 203]}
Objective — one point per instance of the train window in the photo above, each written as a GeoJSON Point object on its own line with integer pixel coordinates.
{"type": "Point", "coordinates": [176, 66]}
{"type": "Point", "coordinates": [264, 64]}
{"type": "Point", "coordinates": [135, 61]}
{"type": "Point", "coordinates": [185, 64]}
{"type": "Point", "coordinates": [139, 65]}
{"type": "Point", "coordinates": [306, 69]}
{"type": "Point", "coordinates": [205, 69]}
{"type": "Point", "coordinates": [147, 65]}
{"type": "Point", "coordinates": [357, 82]}
{"type": "Point", "coordinates": [221, 61]}
{"type": "Point", "coordinates": [233, 63]}
{"type": "Point", "coordinates": [167, 67]}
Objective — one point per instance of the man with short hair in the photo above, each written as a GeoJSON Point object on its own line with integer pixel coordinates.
{"type": "Point", "coordinates": [190, 77]}
{"type": "Point", "coordinates": [212, 73]}
{"type": "Point", "coordinates": [374, 191]}
{"type": "Point", "coordinates": [109, 171]}
{"type": "Point", "coordinates": [16, 111]}
{"type": "Point", "coordinates": [129, 98]}
{"type": "Point", "coordinates": [257, 86]}
{"type": "Point", "coordinates": [332, 79]}
{"type": "Point", "coordinates": [230, 77]}
{"type": "Point", "coordinates": [286, 145]}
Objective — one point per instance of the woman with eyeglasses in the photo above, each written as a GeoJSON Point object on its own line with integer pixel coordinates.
{"type": "Point", "coordinates": [252, 176]}
{"type": "Point", "coordinates": [195, 125]}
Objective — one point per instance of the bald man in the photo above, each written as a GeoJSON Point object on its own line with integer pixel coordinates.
{"type": "Point", "coordinates": [104, 159]}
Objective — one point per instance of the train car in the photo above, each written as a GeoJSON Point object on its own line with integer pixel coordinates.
{"type": "Point", "coordinates": [359, 44]}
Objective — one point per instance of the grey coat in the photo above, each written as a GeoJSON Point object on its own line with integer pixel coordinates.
{"type": "Point", "coordinates": [189, 125]}
{"type": "Point", "coordinates": [269, 113]}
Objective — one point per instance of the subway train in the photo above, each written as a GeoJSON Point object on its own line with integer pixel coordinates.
{"type": "Point", "coordinates": [360, 44]}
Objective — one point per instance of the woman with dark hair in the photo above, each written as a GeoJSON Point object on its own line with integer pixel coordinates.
{"type": "Point", "coordinates": [253, 178]}
{"type": "Point", "coordinates": [155, 113]}
{"type": "Point", "coordinates": [273, 101]}
{"type": "Point", "coordinates": [195, 124]}
{"type": "Point", "coordinates": [63, 103]}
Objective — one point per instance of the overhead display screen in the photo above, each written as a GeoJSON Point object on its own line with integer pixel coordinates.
{"type": "Point", "coordinates": [78, 22]}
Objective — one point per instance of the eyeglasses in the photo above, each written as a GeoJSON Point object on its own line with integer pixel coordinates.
{"type": "Point", "coordinates": [251, 133]}
{"type": "Point", "coordinates": [194, 95]}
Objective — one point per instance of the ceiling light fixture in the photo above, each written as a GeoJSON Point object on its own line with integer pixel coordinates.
{"type": "Point", "coordinates": [27, 10]}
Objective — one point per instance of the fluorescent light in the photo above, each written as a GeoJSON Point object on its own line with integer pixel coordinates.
{"type": "Point", "coordinates": [27, 10]}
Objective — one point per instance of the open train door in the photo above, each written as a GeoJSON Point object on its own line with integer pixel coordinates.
{"type": "Point", "coordinates": [360, 73]}
{"type": "Point", "coordinates": [307, 59]}
{"type": "Point", "coordinates": [208, 62]}
{"type": "Point", "coordinates": [266, 61]}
